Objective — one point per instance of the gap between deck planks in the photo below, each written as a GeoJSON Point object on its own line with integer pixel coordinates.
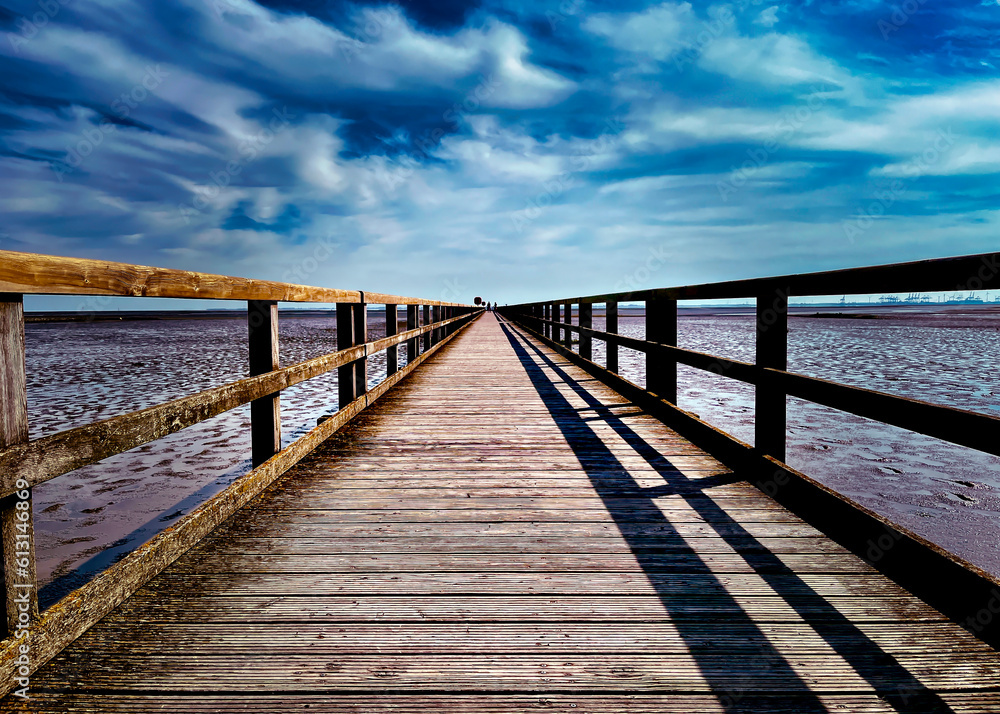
{"type": "Point", "coordinates": [503, 533]}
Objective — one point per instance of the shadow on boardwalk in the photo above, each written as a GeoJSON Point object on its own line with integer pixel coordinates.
{"type": "Point", "coordinates": [758, 678]}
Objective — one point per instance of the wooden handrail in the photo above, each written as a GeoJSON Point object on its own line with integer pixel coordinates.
{"type": "Point", "coordinates": [34, 274]}
{"type": "Point", "coordinates": [964, 273]}
{"type": "Point", "coordinates": [24, 463]}
{"type": "Point", "coordinates": [769, 371]}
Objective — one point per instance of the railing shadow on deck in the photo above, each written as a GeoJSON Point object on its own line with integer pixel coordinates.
{"type": "Point", "coordinates": [611, 479]}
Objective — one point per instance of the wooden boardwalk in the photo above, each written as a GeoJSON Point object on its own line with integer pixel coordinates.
{"type": "Point", "coordinates": [502, 532]}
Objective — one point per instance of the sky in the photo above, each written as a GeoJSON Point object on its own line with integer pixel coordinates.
{"type": "Point", "coordinates": [512, 150]}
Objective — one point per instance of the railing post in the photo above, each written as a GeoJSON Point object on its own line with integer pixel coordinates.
{"type": "Point", "coordinates": [547, 314]}
{"type": "Point", "coordinates": [661, 326]}
{"type": "Point", "coordinates": [568, 320]}
{"type": "Point", "coordinates": [391, 328]}
{"type": "Point", "coordinates": [611, 325]}
{"type": "Point", "coordinates": [556, 335]}
{"type": "Point", "coordinates": [346, 389]}
{"type": "Point", "coordinates": [772, 352]}
{"type": "Point", "coordinates": [17, 527]}
{"type": "Point", "coordinates": [361, 337]}
{"type": "Point", "coordinates": [436, 317]}
{"type": "Point", "coordinates": [265, 413]}
{"type": "Point", "coordinates": [412, 319]}
{"type": "Point", "coordinates": [586, 320]}
{"type": "Point", "coordinates": [427, 321]}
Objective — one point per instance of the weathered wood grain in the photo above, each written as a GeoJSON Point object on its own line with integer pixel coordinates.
{"type": "Point", "coordinates": [31, 273]}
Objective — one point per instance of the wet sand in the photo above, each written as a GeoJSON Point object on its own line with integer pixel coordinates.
{"type": "Point", "coordinates": [81, 372]}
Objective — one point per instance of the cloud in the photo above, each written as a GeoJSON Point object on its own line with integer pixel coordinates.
{"type": "Point", "coordinates": [479, 141]}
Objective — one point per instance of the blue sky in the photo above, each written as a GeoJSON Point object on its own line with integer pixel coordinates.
{"type": "Point", "coordinates": [513, 150]}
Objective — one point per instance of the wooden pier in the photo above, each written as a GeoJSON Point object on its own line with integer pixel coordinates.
{"type": "Point", "coordinates": [504, 532]}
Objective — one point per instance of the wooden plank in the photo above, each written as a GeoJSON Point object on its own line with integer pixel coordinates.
{"type": "Point", "coordinates": [265, 413]}
{"type": "Point", "coordinates": [544, 583]}
{"type": "Point", "coordinates": [228, 561]}
{"type": "Point", "coordinates": [163, 605]}
{"type": "Point", "coordinates": [394, 703]}
{"type": "Point", "coordinates": [469, 545]}
{"type": "Point", "coordinates": [17, 532]}
{"type": "Point", "coordinates": [31, 273]}
{"type": "Point", "coordinates": [671, 639]}
{"type": "Point", "coordinates": [511, 673]}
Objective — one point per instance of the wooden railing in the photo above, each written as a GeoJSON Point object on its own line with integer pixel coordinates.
{"type": "Point", "coordinates": [33, 638]}
{"type": "Point", "coordinates": [938, 581]}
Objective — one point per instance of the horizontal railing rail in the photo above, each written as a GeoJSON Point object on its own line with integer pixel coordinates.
{"type": "Point", "coordinates": [26, 463]}
{"type": "Point", "coordinates": [34, 274]}
{"type": "Point", "coordinates": [959, 426]}
{"type": "Point", "coordinates": [769, 372]}
{"type": "Point", "coordinates": [962, 273]}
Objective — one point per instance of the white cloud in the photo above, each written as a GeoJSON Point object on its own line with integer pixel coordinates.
{"type": "Point", "coordinates": [659, 31]}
